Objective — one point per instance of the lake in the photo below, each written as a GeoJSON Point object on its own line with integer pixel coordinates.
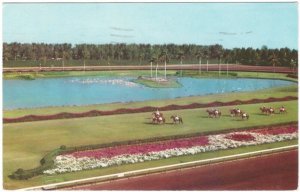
{"type": "Point", "coordinates": [97, 90]}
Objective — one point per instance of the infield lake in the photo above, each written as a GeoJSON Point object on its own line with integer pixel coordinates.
{"type": "Point", "coordinates": [70, 91]}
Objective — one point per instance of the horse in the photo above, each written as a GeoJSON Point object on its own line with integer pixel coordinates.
{"type": "Point", "coordinates": [158, 120]}
{"type": "Point", "coordinates": [245, 116]}
{"type": "Point", "coordinates": [176, 119]}
{"type": "Point", "coordinates": [235, 112]}
{"type": "Point", "coordinates": [282, 110]}
{"type": "Point", "coordinates": [263, 109]}
{"type": "Point", "coordinates": [213, 113]}
{"type": "Point", "coordinates": [269, 111]}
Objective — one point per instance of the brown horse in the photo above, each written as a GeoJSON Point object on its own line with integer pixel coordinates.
{"type": "Point", "coordinates": [263, 109]}
{"type": "Point", "coordinates": [176, 119]}
{"type": "Point", "coordinates": [158, 120]}
{"type": "Point", "coordinates": [213, 113]}
{"type": "Point", "coordinates": [282, 110]}
{"type": "Point", "coordinates": [267, 110]}
{"type": "Point", "coordinates": [235, 112]}
{"type": "Point", "coordinates": [270, 111]}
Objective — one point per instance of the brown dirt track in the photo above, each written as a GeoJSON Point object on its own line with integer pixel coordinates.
{"type": "Point", "coordinates": [278, 171]}
{"type": "Point", "coordinates": [212, 67]}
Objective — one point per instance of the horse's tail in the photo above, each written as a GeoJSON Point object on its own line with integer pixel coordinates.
{"type": "Point", "coordinates": [181, 120]}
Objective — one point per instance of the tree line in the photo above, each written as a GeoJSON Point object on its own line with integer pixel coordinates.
{"type": "Point", "coordinates": [145, 53]}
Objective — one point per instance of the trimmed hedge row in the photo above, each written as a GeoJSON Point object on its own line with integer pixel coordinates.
{"type": "Point", "coordinates": [93, 113]}
{"type": "Point", "coordinates": [47, 162]}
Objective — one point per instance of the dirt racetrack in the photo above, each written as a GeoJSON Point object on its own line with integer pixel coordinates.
{"type": "Point", "coordinates": [271, 172]}
{"type": "Point", "coordinates": [211, 67]}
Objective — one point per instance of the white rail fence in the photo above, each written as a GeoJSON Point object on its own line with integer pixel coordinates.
{"type": "Point", "coordinates": [160, 169]}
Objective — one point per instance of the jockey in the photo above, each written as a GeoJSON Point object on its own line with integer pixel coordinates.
{"type": "Point", "coordinates": [238, 110]}
{"type": "Point", "coordinates": [157, 112]}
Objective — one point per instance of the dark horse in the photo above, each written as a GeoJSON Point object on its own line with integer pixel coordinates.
{"type": "Point", "coordinates": [176, 119]}
{"type": "Point", "coordinates": [267, 110]}
{"type": "Point", "coordinates": [235, 112]}
{"type": "Point", "coordinates": [282, 110]}
{"type": "Point", "coordinates": [213, 113]}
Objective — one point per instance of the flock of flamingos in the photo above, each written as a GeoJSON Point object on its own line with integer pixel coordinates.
{"type": "Point", "coordinates": [158, 118]}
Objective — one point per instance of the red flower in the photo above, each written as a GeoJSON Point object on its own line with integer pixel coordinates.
{"type": "Point", "coordinates": [241, 137]}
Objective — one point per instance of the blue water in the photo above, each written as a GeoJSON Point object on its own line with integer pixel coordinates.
{"type": "Point", "coordinates": [96, 90]}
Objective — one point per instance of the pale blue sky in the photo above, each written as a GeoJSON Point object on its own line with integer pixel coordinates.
{"type": "Point", "coordinates": [271, 24]}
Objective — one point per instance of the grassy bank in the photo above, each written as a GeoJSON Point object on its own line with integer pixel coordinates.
{"type": "Point", "coordinates": [171, 83]}
{"type": "Point", "coordinates": [24, 144]}
{"type": "Point", "coordinates": [233, 74]}
{"type": "Point", "coordinates": [132, 73]}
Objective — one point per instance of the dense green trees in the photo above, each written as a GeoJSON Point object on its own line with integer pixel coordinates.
{"type": "Point", "coordinates": [144, 53]}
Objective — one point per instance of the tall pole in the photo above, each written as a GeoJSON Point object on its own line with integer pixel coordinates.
{"type": "Point", "coordinates": [181, 67]}
{"type": "Point", "coordinates": [206, 65]}
{"type": "Point", "coordinates": [200, 62]}
{"type": "Point", "coordinates": [219, 67]}
{"type": "Point", "coordinates": [156, 71]}
{"type": "Point", "coordinates": [227, 68]}
{"type": "Point", "coordinates": [63, 65]}
{"type": "Point", "coordinates": [165, 69]}
{"type": "Point", "coordinates": [151, 68]}
{"type": "Point", "coordinates": [84, 65]}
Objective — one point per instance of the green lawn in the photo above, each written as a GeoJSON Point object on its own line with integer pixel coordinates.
{"type": "Point", "coordinates": [171, 83]}
{"type": "Point", "coordinates": [24, 144]}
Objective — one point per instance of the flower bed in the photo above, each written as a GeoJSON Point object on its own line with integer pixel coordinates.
{"type": "Point", "coordinates": [241, 137]}
{"type": "Point", "coordinates": [106, 157]}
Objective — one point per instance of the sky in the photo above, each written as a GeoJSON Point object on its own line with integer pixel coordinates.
{"type": "Point", "coordinates": [229, 24]}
